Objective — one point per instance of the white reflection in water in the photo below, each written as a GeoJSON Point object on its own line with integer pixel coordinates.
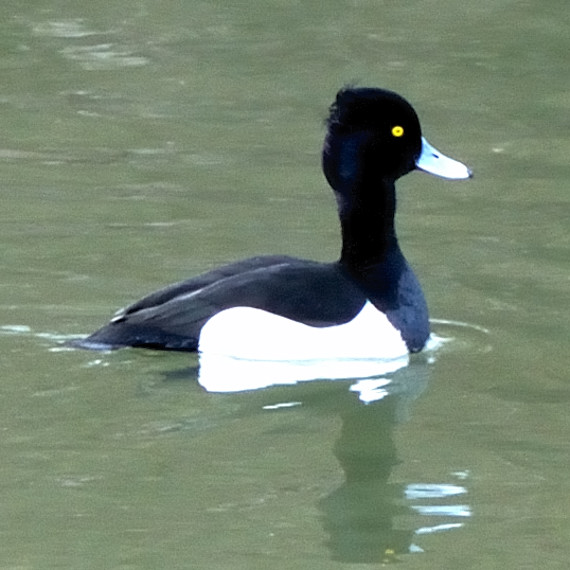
{"type": "Point", "coordinates": [437, 528]}
{"type": "Point", "coordinates": [219, 373]}
{"type": "Point", "coordinates": [281, 405]}
{"type": "Point", "coordinates": [433, 490]}
{"type": "Point", "coordinates": [371, 390]}
{"type": "Point", "coordinates": [416, 491]}
{"type": "Point", "coordinates": [443, 510]}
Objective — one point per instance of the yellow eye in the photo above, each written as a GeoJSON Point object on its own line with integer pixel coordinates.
{"type": "Point", "coordinates": [397, 131]}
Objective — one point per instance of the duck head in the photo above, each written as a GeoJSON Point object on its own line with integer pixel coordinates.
{"type": "Point", "coordinates": [374, 137]}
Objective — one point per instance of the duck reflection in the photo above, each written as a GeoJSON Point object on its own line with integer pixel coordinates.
{"type": "Point", "coordinates": [369, 518]}
{"type": "Point", "coordinates": [366, 517]}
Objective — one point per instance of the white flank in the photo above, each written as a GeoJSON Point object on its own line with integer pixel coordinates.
{"type": "Point", "coordinates": [254, 334]}
{"type": "Point", "coordinates": [248, 349]}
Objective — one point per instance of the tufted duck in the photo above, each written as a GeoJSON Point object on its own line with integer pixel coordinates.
{"type": "Point", "coordinates": [368, 304]}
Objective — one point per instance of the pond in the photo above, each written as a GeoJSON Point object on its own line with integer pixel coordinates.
{"type": "Point", "coordinates": [145, 142]}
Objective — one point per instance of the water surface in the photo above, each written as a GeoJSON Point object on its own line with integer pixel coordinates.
{"type": "Point", "coordinates": [144, 142]}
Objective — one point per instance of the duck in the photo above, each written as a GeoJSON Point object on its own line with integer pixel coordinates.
{"type": "Point", "coordinates": [366, 304]}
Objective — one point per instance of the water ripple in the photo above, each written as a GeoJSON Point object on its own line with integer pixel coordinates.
{"type": "Point", "coordinates": [103, 56]}
{"type": "Point", "coordinates": [72, 28]}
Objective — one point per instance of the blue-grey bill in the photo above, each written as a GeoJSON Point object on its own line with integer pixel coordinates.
{"type": "Point", "coordinates": [434, 162]}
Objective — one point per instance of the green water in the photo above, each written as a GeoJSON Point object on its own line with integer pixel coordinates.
{"type": "Point", "coordinates": [142, 142]}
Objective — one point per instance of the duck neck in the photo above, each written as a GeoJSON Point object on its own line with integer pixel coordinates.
{"type": "Point", "coordinates": [367, 223]}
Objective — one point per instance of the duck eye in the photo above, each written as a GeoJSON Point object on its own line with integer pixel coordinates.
{"type": "Point", "coordinates": [397, 131]}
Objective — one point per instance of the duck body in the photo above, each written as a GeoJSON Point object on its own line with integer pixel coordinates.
{"type": "Point", "coordinates": [316, 296]}
{"type": "Point", "coordinates": [368, 304]}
